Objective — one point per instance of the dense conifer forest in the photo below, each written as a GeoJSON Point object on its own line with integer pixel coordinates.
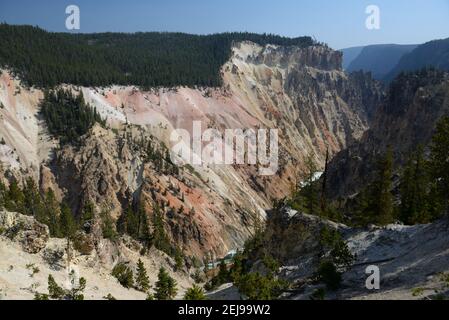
{"type": "Point", "coordinates": [46, 59]}
{"type": "Point", "coordinates": [68, 116]}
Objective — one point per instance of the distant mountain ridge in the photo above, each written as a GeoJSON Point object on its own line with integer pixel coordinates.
{"type": "Point", "coordinates": [431, 54]}
{"type": "Point", "coordinates": [379, 59]}
{"type": "Point", "coordinates": [350, 54]}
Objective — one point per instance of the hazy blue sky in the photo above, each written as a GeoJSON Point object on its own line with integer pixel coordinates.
{"type": "Point", "coordinates": [340, 23]}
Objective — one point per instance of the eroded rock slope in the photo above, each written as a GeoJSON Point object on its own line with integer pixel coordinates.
{"type": "Point", "coordinates": [302, 92]}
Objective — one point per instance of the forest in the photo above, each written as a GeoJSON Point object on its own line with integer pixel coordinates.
{"type": "Point", "coordinates": [67, 116]}
{"type": "Point", "coordinates": [151, 59]}
{"type": "Point", "coordinates": [412, 193]}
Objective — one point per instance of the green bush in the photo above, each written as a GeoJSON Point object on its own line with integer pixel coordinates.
{"type": "Point", "coordinates": [41, 296]}
{"type": "Point", "coordinates": [109, 297]}
{"type": "Point", "coordinates": [331, 241]}
{"type": "Point", "coordinates": [195, 293]}
{"type": "Point", "coordinates": [54, 290]}
{"type": "Point", "coordinates": [258, 287]}
{"type": "Point", "coordinates": [123, 273]}
{"type": "Point", "coordinates": [329, 275]}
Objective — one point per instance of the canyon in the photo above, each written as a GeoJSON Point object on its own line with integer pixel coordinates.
{"type": "Point", "coordinates": [302, 92]}
{"type": "Point", "coordinates": [209, 210]}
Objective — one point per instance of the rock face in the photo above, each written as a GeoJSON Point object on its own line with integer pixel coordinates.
{"type": "Point", "coordinates": [32, 235]}
{"type": "Point", "coordinates": [301, 92]}
{"type": "Point", "coordinates": [296, 237]}
{"type": "Point", "coordinates": [304, 93]}
{"type": "Point", "coordinates": [410, 259]}
{"type": "Point", "coordinates": [406, 118]}
{"type": "Point", "coordinates": [28, 256]}
{"type": "Point", "coordinates": [413, 260]}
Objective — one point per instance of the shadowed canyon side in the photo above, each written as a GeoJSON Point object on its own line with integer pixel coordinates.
{"type": "Point", "coordinates": [405, 120]}
{"type": "Point", "coordinates": [302, 92]}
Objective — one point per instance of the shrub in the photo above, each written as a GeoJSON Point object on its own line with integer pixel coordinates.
{"type": "Point", "coordinates": [109, 297]}
{"type": "Point", "coordinates": [258, 287]}
{"type": "Point", "coordinates": [195, 293]}
{"type": "Point", "coordinates": [149, 297]}
{"type": "Point", "coordinates": [41, 296]}
{"type": "Point", "coordinates": [416, 292]}
{"type": "Point", "coordinates": [34, 270]}
{"type": "Point", "coordinates": [83, 244]}
{"type": "Point", "coordinates": [124, 275]}
{"type": "Point", "coordinates": [54, 290]}
{"type": "Point", "coordinates": [197, 276]}
{"type": "Point", "coordinates": [58, 293]}
{"type": "Point", "coordinates": [331, 241]}
{"type": "Point", "coordinates": [318, 294]}
{"type": "Point", "coordinates": [329, 275]}
{"type": "Point", "coordinates": [76, 293]}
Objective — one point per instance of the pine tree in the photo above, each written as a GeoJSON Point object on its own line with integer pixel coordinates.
{"type": "Point", "coordinates": [68, 117]}
{"type": "Point", "coordinates": [58, 293]}
{"type": "Point", "coordinates": [439, 165]}
{"type": "Point", "coordinates": [160, 238]}
{"type": "Point", "coordinates": [15, 200]}
{"type": "Point", "coordinates": [33, 205]}
{"type": "Point", "coordinates": [237, 268]}
{"type": "Point", "coordinates": [305, 190]}
{"type": "Point", "coordinates": [52, 213]}
{"type": "Point", "coordinates": [413, 188]}
{"type": "Point", "coordinates": [137, 59]}
{"type": "Point", "coordinates": [195, 293]}
{"type": "Point", "coordinates": [107, 225]}
{"type": "Point", "coordinates": [223, 273]}
{"type": "Point", "coordinates": [88, 213]}
{"type": "Point", "coordinates": [142, 280]}
{"type": "Point", "coordinates": [361, 216]}
{"type": "Point", "coordinates": [3, 195]}
{"type": "Point", "coordinates": [310, 189]}
{"type": "Point", "coordinates": [131, 222]}
{"type": "Point", "coordinates": [68, 227]}
{"type": "Point", "coordinates": [143, 233]}
{"type": "Point", "coordinates": [67, 222]}
{"type": "Point", "coordinates": [380, 201]}
{"type": "Point", "coordinates": [165, 286]}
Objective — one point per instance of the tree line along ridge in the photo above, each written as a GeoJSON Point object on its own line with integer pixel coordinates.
{"type": "Point", "coordinates": [150, 59]}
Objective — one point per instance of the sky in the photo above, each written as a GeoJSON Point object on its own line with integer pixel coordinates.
{"type": "Point", "coordinates": [340, 23]}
